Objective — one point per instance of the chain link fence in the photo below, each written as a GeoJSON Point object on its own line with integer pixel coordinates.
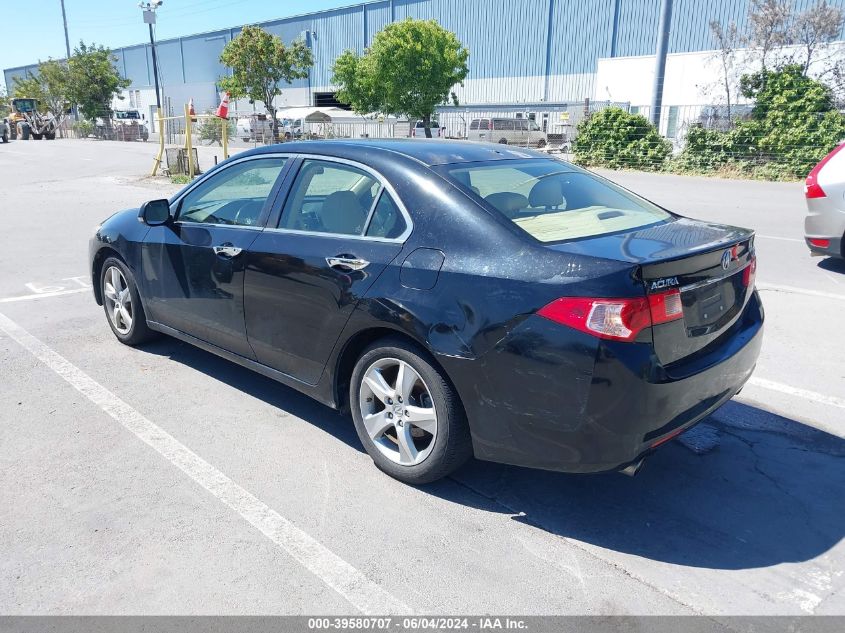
{"type": "Point", "coordinates": [696, 138]}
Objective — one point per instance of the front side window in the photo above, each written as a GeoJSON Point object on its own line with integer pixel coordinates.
{"type": "Point", "coordinates": [474, 124]}
{"type": "Point", "coordinates": [329, 197]}
{"type": "Point", "coordinates": [235, 195]}
{"type": "Point", "coordinates": [552, 202]}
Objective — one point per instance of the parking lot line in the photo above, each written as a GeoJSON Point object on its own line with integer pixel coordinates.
{"type": "Point", "coordinates": [800, 291]}
{"type": "Point", "coordinates": [43, 295]}
{"type": "Point", "coordinates": [362, 593]}
{"type": "Point", "coordinates": [812, 396]}
{"type": "Point", "coordinates": [782, 239]}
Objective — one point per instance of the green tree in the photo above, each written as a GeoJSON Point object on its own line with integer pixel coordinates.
{"type": "Point", "coordinates": [259, 62]}
{"type": "Point", "coordinates": [93, 81]}
{"type": "Point", "coordinates": [50, 86]}
{"type": "Point", "coordinates": [615, 138]}
{"type": "Point", "coordinates": [29, 86]}
{"type": "Point", "coordinates": [409, 70]}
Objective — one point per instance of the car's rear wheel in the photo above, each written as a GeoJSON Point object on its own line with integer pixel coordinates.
{"type": "Point", "coordinates": [407, 415]}
{"type": "Point", "coordinates": [503, 141]}
{"type": "Point", "coordinates": [122, 304]}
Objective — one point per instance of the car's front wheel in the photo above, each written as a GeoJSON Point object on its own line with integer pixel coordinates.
{"type": "Point", "coordinates": [406, 413]}
{"type": "Point", "coordinates": [122, 304]}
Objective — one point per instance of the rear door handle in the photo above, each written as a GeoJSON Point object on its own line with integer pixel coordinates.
{"type": "Point", "coordinates": [347, 263]}
{"type": "Point", "coordinates": [227, 250]}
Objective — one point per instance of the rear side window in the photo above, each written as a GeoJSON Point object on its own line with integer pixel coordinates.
{"type": "Point", "coordinates": [386, 221]}
{"type": "Point", "coordinates": [552, 202]}
{"type": "Point", "coordinates": [329, 197]}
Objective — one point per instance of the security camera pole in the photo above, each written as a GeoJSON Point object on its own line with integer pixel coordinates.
{"type": "Point", "coordinates": [149, 9]}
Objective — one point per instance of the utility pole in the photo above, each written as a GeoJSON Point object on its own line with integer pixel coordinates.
{"type": "Point", "coordinates": [67, 51]}
{"type": "Point", "coordinates": [67, 39]}
{"type": "Point", "coordinates": [663, 28]}
{"type": "Point", "coordinates": [149, 9]}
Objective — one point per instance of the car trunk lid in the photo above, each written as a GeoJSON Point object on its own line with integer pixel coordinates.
{"type": "Point", "coordinates": [710, 265]}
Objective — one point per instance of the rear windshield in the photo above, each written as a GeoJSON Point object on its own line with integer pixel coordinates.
{"type": "Point", "coordinates": [551, 202]}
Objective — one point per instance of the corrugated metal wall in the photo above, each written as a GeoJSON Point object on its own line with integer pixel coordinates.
{"type": "Point", "coordinates": [525, 50]}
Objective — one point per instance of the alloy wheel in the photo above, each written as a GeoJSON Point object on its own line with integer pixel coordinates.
{"type": "Point", "coordinates": [118, 300]}
{"type": "Point", "coordinates": [398, 411]}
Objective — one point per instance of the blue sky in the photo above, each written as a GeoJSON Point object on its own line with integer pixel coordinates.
{"type": "Point", "coordinates": [115, 23]}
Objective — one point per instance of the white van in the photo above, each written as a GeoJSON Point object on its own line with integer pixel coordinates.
{"type": "Point", "coordinates": [508, 131]}
{"type": "Point", "coordinates": [254, 127]}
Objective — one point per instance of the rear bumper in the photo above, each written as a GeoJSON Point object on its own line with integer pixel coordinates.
{"type": "Point", "coordinates": [556, 399]}
{"type": "Point", "coordinates": [825, 221]}
{"type": "Point", "coordinates": [833, 248]}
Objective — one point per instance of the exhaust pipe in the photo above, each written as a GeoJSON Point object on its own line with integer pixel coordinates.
{"type": "Point", "coordinates": [633, 469]}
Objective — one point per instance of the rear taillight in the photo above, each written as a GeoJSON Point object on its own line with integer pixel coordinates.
{"type": "Point", "coordinates": [812, 189]}
{"type": "Point", "coordinates": [614, 319]}
{"type": "Point", "coordinates": [665, 307]}
{"type": "Point", "coordinates": [819, 242]}
{"type": "Point", "coordinates": [750, 273]}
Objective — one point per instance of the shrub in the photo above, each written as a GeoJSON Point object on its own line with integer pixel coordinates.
{"type": "Point", "coordinates": [83, 128]}
{"type": "Point", "coordinates": [211, 129]}
{"type": "Point", "coordinates": [614, 138]}
{"type": "Point", "coordinates": [794, 123]}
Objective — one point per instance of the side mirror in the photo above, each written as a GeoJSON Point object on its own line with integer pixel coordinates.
{"type": "Point", "coordinates": [154, 212]}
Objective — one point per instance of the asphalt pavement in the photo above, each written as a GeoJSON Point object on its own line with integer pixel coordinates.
{"type": "Point", "coordinates": [164, 480]}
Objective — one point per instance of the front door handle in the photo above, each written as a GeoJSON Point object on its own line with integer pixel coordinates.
{"type": "Point", "coordinates": [347, 263]}
{"type": "Point", "coordinates": [227, 250]}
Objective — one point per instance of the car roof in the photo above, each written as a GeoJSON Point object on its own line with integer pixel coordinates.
{"type": "Point", "coordinates": [425, 151]}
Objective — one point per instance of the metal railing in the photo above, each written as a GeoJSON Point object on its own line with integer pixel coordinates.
{"type": "Point", "coordinates": [187, 121]}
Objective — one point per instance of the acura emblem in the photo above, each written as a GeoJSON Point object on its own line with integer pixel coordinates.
{"type": "Point", "coordinates": [726, 260]}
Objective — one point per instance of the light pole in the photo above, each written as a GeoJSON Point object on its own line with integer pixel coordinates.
{"type": "Point", "coordinates": [67, 50]}
{"type": "Point", "coordinates": [149, 8]}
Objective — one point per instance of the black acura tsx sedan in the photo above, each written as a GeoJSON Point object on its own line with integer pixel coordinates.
{"type": "Point", "coordinates": [457, 298]}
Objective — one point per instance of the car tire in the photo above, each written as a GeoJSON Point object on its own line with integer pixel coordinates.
{"type": "Point", "coordinates": [503, 141]}
{"type": "Point", "coordinates": [136, 331]}
{"type": "Point", "coordinates": [5, 137]}
{"type": "Point", "coordinates": [541, 143]}
{"type": "Point", "coordinates": [429, 452]}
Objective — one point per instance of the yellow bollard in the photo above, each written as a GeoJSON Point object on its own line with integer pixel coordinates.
{"type": "Point", "coordinates": [225, 138]}
{"type": "Point", "coordinates": [157, 160]}
{"type": "Point", "coordinates": [188, 148]}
